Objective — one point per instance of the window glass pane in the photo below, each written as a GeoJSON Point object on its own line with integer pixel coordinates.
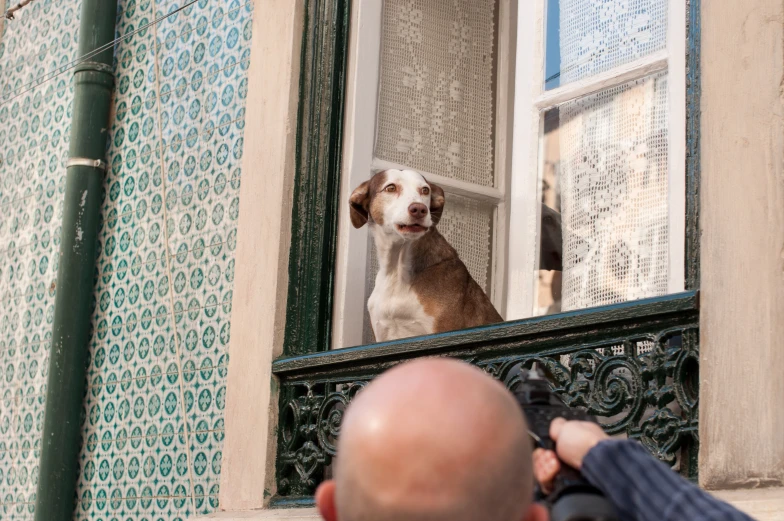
{"type": "Point", "coordinates": [586, 37]}
{"type": "Point", "coordinates": [436, 108]}
{"type": "Point", "coordinates": [602, 232]}
{"type": "Point", "coordinates": [605, 171]}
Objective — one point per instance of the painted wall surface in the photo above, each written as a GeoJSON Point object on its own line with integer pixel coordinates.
{"type": "Point", "coordinates": [153, 416]}
{"type": "Point", "coordinates": [741, 318]}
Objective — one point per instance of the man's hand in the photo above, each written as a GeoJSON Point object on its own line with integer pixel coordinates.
{"type": "Point", "coordinates": [573, 440]}
{"type": "Point", "coordinates": [546, 467]}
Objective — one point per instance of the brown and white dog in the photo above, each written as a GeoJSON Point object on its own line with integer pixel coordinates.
{"type": "Point", "coordinates": [422, 287]}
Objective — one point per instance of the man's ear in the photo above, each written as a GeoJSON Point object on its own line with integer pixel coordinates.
{"type": "Point", "coordinates": [437, 201]}
{"type": "Point", "coordinates": [359, 202]}
{"type": "Point", "coordinates": [325, 501]}
{"type": "Point", "coordinates": [536, 512]}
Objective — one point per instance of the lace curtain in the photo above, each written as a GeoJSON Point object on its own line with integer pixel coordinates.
{"type": "Point", "coordinates": [436, 103]}
{"type": "Point", "coordinates": [613, 156]}
{"type": "Point", "coordinates": [598, 35]}
{"type": "Point", "coordinates": [614, 195]}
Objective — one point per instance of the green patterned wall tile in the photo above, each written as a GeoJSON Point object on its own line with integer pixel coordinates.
{"type": "Point", "coordinates": [165, 275]}
{"type": "Point", "coordinates": [153, 414]}
{"type": "Point", "coordinates": [35, 111]}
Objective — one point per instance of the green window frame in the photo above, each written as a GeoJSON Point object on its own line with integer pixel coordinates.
{"type": "Point", "coordinates": [650, 395]}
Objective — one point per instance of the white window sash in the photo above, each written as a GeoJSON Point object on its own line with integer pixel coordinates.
{"type": "Point", "coordinates": [651, 64]}
{"type": "Point", "coordinates": [359, 162]}
{"type": "Point", "coordinates": [531, 101]}
{"type": "Point", "coordinates": [487, 194]}
{"type": "Point", "coordinates": [362, 94]}
{"type": "Point", "coordinates": [676, 46]}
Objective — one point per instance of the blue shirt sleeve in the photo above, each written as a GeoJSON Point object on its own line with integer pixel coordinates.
{"type": "Point", "coordinates": [644, 489]}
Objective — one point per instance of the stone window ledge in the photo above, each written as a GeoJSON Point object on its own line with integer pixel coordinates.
{"type": "Point", "coordinates": [765, 504]}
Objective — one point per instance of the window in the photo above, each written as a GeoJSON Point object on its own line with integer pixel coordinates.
{"type": "Point", "coordinates": [604, 128]}
{"type": "Point", "coordinates": [634, 363]}
{"type": "Point", "coordinates": [556, 129]}
{"type": "Point", "coordinates": [431, 92]}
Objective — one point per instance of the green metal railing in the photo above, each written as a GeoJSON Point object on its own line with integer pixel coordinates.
{"type": "Point", "coordinates": [635, 366]}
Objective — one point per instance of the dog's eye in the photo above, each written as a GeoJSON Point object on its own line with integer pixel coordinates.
{"type": "Point", "coordinates": [391, 188]}
{"type": "Point", "coordinates": [425, 191]}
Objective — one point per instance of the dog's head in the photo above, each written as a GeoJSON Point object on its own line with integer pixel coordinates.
{"type": "Point", "coordinates": [401, 202]}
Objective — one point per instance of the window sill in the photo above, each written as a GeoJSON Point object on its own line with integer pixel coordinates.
{"type": "Point", "coordinates": [293, 514]}
{"type": "Point", "coordinates": [761, 504]}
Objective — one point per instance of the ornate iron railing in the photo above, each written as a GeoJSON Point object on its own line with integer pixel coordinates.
{"type": "Point", "coordinates": [635, 366]}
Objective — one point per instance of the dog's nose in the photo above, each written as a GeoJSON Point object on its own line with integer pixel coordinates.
{"type": "Point", "coordinates": [417, 210]}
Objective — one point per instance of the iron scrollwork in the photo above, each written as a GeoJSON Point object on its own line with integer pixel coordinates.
{"type": "Point", "coordinates": [644, 387]}
{"type": "Point", "coordinates": [309, 428]}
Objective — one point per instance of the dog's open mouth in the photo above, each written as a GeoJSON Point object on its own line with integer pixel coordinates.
{"type": "Point", "coordinates": [411, 228]}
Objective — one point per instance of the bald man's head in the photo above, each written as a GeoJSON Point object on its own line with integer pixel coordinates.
{"type": "Point", "coordinates": [429, 440]}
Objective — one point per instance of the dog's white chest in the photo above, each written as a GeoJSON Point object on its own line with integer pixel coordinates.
{"type": "Point", "coordinates": [395, 311]}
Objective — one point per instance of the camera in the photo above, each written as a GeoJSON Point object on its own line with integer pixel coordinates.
{"type": "Point", "coordinates": [572, 498]}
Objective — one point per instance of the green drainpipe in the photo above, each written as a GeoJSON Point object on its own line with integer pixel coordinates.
{"type": "Point", "coordinates": [60, 440]}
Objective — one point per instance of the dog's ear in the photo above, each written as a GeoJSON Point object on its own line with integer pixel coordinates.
{"type": "Point", "coordinates": [437, 201]}
{"type": "Point", "coordinates": [359, 202]}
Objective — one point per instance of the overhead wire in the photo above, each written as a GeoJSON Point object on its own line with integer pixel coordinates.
{"type": "Point", "coordinates": [84, 58]}
{"type": "Point", "coordinates": [10, 13]}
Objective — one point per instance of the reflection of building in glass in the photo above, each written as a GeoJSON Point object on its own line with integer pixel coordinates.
{"type": "Point", "coordinates": [548, 291]}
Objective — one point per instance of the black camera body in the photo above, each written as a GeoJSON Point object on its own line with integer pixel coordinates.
{"type": "Point", "coordinates": [572, 497]}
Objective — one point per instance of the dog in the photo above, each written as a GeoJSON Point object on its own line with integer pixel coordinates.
{"type": "Point", "coordinates": [422, 286]}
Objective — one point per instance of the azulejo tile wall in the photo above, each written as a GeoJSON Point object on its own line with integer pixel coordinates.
{"type": "Point", "coordinates": [153, 415]}
{"type": "Point", "coordinates": [153, 423]}
{"type": "Point", "coordinates": [34, 131]}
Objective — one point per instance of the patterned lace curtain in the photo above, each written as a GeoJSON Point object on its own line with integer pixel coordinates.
{"type": "Point", "coordinates": [598, 35]}
{"type": "Point", "coordinates": [436, 107]}
{"type": "Point", "coordinates": [613, 156]}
